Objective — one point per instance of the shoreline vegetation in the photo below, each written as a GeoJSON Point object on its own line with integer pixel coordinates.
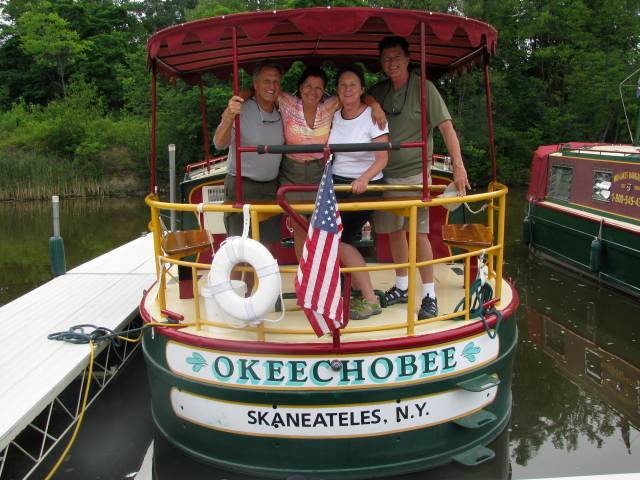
{"type": "Point", "coordinates": [75, 89]}
{"type": "Point", "coordinates": [33, 177]}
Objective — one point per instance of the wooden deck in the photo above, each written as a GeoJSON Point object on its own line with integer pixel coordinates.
{"type": "Point", "coordinates": [105, 291]}
{"type": "Point", "coordinates": [449, 289]}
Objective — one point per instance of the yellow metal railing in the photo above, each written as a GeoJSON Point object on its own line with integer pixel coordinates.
{"type": "Point", "coordinates": [495, 197]}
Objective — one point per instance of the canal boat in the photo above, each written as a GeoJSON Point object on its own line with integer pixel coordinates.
{"type": "Point", "coordinates": [268, 396]}
{"type": "Point", "coordinates": [583, 211]}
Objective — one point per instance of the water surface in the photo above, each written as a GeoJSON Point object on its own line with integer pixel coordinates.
{"type": "Point", "coordinates": [88, 227]}
{"type": "Point", "coordinates": [576, 388]}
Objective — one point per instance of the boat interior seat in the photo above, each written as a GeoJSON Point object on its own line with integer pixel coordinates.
{"type": "Point", "coordinates": [467, 236]}
{"type": "Point", "coordinates": [184, 243]}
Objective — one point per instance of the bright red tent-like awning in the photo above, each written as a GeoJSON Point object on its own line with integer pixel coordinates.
{"type": "Point", "coordinates": [315, 35]}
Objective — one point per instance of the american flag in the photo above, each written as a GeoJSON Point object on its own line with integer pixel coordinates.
{"type": "Point", "coordinates": [318, 281]}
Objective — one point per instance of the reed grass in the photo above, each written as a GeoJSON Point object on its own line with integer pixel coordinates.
{"type": "Point", "coordinates": [32, 176]}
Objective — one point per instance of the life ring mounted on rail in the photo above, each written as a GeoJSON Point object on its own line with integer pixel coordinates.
{"type": "Point", "coordinates": [245, 250]}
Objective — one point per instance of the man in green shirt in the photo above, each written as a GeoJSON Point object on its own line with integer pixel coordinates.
{"type": "Point", "coordinates": [400, 98]}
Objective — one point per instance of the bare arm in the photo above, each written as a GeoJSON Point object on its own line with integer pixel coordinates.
{"type": "Point", "coordinates": [377, 113]}
{"type": "Point", "coordinates": [332, 104]}
{"type": "Point", "coordinates": [222, 136]}
{"type": "Point", "coordinates": [453, 147]}
{"type": "Point", "coordinates": [360, 184]}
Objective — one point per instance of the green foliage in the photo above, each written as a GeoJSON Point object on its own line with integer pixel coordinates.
{"type": "Point", "coordinates": [50, 40]}
{"type": "Point", "coordinates": [157, 14]}
{"type": "Point", "coordinates": [77, 135]}
{"type": "Point", "coordinates": [554, 79]}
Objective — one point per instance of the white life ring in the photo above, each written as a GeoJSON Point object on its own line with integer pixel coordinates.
{"type": "Point", "coordinates": [238, 250]}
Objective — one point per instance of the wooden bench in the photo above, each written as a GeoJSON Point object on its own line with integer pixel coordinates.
{"type": "Point", "coordinates": [467, 236]}
{"type": "Point", "coordinates": [185, 243]}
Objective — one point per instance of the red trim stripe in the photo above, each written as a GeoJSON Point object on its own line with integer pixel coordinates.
{"type": "Point", "coordinates": [579, 214]}
{"type": "Point", "coordinates": [328, 348]}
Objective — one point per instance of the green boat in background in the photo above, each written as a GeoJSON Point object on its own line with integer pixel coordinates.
{"type": "Point", "coordinates": [583, 211]}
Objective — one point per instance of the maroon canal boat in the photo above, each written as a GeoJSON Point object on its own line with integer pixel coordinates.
{"type": "Point", "coordinates": [584, 210]}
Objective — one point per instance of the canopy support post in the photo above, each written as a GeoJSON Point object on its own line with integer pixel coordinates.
{"type": "Point", "coordinates": [205, 127]}
{"type": "Point", "coordinates": [492, 145]}
{"type": "Point", "coordinates": [154, 76]}
{"type": "Point", "coordinates": [236, 90]}
{"type": "Point", "coordinates": [423, 117]}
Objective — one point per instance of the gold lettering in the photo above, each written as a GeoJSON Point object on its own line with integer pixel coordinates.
{"type": "Point", "coordinates": [627, 176]}
{"type": "Point", "coordinates": [626, 199]}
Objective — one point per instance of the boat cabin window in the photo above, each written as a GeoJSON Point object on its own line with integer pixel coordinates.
{"type": "Point", "coordinates": [602, 181]}
{"type": "Point", "coordinates": [213, 221]}
{"type": "Point", "coordinates": [560, 179]}
{"type": "Point", "coordinates": [213, 194]}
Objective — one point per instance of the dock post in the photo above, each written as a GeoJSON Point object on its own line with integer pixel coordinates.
{"type": "Point", "coordinates": [56, 244]}
{"type": "Point", "coordinates": [172, 183]}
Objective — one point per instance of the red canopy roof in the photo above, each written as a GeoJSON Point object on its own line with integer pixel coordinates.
{"type": "Point", "coordinates": [315, 35]}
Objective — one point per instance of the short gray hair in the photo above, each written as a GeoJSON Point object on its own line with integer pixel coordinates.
{"type": "Point", "coordinates": [262, 65]}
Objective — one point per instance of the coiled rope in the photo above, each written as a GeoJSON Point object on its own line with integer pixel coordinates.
{"type": "Point", "coordinates": [77, 335]}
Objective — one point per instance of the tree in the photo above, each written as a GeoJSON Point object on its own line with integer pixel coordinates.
{"type": "Point", "coordinates": [157, 14]}
{"type": "Point", "coordinates": [49, 39]}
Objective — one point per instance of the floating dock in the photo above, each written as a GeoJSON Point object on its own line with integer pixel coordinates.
{"type": "Point", "coordinates": [41, 380]}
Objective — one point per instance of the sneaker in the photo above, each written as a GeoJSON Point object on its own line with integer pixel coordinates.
{"type": "Point", "coordinates": [359, 309]}
{"type": "Point", "coordinates": [428, 308]}
{"type": "Point", "coordinates": [375, 308]}
{"type": "Point", "coordinates": [395, 295]}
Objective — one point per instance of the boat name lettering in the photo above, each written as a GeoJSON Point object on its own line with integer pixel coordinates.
{"type": "Point", "coordinates": [313, 420]}
{"type": "Point", "coordinates": [626, 176]}
{"type": "Point", "coordinates": [313, 372]}
{"type": "Point", "coordinates": [627, 185]}
{"type": "Point", "coordinates": [327, 420]}
{"type": "Point", "coordinates": [353, 371]}
{"type": "Point", "coordinates": [275, 419]}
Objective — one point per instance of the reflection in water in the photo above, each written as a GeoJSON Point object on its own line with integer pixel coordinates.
{"type": "Point", "coordinates": [576, 386]}
{"type": "Point", "coordinates": [169, 463]}
{"type": "Point", "coordinates": [577, 382]}
{"type": "Point", "coordinates": [88, 227]}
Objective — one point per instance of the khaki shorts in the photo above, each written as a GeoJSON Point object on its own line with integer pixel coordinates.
{"type": "Point", "coordinates": [252, 191]}
{"type": "Point", "coordinates": [301, 173]}
{"type": "Point", "coordinates": [387, 222]}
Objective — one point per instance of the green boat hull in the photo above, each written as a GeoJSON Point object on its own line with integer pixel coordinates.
{"type": "Point", "coordinates": [569, 240]}
{"type": "Point", "coordinates": [359, 456]}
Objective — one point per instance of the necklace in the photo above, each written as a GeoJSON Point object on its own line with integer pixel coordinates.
{"type": "Point", "coordinates": [394, 110]}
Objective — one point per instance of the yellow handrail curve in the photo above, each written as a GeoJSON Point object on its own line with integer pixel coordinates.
{"type": "Point", "coordinates": [496, 193]}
